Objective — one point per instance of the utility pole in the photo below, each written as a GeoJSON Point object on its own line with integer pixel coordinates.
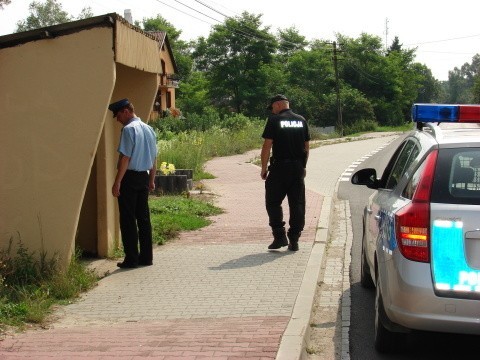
{"type": "Point", "coordinates": [337, 90]}
{"type": "Point", "coordinates": [386, 34]}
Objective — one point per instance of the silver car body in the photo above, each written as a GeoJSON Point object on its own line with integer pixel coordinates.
{"type": "Point", "coordinates": [442, 294]}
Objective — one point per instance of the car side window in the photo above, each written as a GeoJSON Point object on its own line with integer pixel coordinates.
{"type": "Point", "coordinates": [402, 163]}
{"type": "Point", "coordinates": [409, 190]}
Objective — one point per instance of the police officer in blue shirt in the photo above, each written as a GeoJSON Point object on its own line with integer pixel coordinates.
{"type": "Point", "coordinates": [287, 136]}
{"type": "Point", "coordinates": [135, 178]}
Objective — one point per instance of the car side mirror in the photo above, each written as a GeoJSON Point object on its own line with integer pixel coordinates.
{"type": "Point", "coordinates": [367, 177]}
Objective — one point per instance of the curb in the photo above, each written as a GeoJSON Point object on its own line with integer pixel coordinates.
{"type": "Point", "coordinates": [294, 341]}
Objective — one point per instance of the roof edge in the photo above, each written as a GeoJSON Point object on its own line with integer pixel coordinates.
{"type": "Point", "coordinates": [50, 32]}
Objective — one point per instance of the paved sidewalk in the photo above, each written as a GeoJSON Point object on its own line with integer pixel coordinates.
{"type": "Point", "coordinates": [215, 293]}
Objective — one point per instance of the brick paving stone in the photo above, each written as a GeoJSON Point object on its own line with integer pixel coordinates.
{"type": "Point", "coordinates": [213, 293]}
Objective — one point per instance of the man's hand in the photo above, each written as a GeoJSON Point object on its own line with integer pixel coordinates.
{"type": "Point", "coordinates": [263, 174]}
{"type": "Point", "coordinates": [116, 189]}
{"type": "Point", "coordinates": [151, 185]}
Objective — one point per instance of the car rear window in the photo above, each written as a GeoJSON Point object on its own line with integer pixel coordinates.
{"type": "Point", "coordinates": [457, 177]}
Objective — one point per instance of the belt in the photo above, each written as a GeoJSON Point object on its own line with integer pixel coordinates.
{"type": "Point", "coordinates": [286, 160]}
{"type": "Point", "coordinates": [137, 172]}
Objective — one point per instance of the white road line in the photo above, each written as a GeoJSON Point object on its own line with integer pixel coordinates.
{"type": "Point", "coordinates": [349, 170]}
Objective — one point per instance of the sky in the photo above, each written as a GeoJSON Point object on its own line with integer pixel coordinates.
{"type": "Point", "coordinates": [445, 33]}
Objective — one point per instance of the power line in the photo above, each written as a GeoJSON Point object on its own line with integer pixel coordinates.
{"type": "Point", "coordinates": [448, 52]}
{"type": "Point", "coordinates": [211, 8]}
{"type": "Point", "coordinates": [228, 17]}
{"type": "Point", "coordinates": [240, 32]}
{"type": "Point", "coordinates": [197, 11]}
{"type": "Point", "coordinates": [233, 29]}
{"type": "Point", "coordinates": [437, 41]}
{"type": "Point", "coordinates": [183, 12]}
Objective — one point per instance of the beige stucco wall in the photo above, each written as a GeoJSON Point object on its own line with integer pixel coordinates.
{"type": "Point", "coordinates": [140, 87]}
{"type": "Point", "coordinates": [58, 136]}
{"type": "Point", "coordinates": [53, 112]}
{"type": "Point", "coordinates": [165, 55]}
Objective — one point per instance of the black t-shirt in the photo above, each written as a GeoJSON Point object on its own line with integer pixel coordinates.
{"type": "Point", "coordinates": [289, 132]}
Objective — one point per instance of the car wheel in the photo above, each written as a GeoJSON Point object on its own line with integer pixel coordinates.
{"type": "Point", "coordinates": [386, 341]}
{"type": "Point", "coordinates": [365, 276]}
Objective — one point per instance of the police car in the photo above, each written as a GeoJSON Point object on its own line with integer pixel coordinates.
{"type": "Point", "coordinates": [421, 235]}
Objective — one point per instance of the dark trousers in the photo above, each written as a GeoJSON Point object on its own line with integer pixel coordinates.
{"type": "Point", "coordinates": [285, 178]}
{"type": "Point", "coordinates": [135, 217]}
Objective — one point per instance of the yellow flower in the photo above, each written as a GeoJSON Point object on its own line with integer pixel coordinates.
{"type": "Point", "coordinates": [166, 168]}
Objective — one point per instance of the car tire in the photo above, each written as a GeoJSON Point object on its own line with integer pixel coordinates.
{"type": "Point", "coordinates": [365, 277]}
{"type": "Point", "coordinates": [386, 341]}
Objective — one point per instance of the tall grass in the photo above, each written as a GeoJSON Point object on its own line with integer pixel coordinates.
{"type": "Point", "coordinates": [30, 284]}
{"type": "Point", "coordinates": [190, 149]}
{"type": "Point", "coordinates": [189, 143]}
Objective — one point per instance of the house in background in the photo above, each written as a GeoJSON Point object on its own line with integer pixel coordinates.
{"type": "Point", "coordinates": [59, 140]}
{"type": "Point", "coordinates": [165, 99]}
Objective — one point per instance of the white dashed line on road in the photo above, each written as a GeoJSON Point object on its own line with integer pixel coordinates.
{"type": "Point", "coordinates": [351, 168]}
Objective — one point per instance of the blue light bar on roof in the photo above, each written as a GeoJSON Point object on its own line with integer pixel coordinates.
{"type": "Point", "coordinates": [445, 113]}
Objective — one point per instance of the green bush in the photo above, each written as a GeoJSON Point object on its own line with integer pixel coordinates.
{"type": "Point", "coordinates": [360, 126]}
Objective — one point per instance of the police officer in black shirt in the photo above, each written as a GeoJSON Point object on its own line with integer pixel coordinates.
{"type": "Point", "coordinates": [287, 137]}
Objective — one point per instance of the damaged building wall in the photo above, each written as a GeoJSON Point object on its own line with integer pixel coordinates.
{"type": "Point", "coordinates": [59, 137]}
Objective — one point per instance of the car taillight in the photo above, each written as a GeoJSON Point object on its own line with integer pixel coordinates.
{"type": "Point", "coordinates": [412, 222]}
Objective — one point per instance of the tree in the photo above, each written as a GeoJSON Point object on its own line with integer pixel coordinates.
{"type": "Point", "coordinates": [390, 82]}
{"type": "Point", "coordinates": [356, 109]}
{"type": "Point", "coordinates": [429, 89]}
{"type": "Point", "coordinates": [396, 46]}
{"type": "Point", "coordinates": [232, 58]}
{"type": "Point", "coordinates": [85, 13]}
{"type": "Point", "coordinates": [290, 41]}
{"type": "Point", "coordinates": [365, 68]}
{"type": "Point", "coordinates": [310, 76]}
{"type": "Point", "coordinates": [476, 90]}
{"type": "Point", "coordinates": [461, 82]}
{"type": "Point", "coordinates": [194, 95]}
{"type": "Point", "coordinates": [48, 14]}
{"type": "Point", "coordinates": [4, 3]}
{"type": "Point", "coordinates": [418, 83]}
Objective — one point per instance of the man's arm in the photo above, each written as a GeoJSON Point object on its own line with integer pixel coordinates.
{"type": "Point", "coordinates": [264, 156]}
{"type": "Point", "coordinates": [307, 152]}
{"type": "Point", "coordinates": [122, 167]}
{"type": "Point", "coordinates": [152, 173]}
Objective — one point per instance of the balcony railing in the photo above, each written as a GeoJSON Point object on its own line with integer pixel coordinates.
{"type": "Point", "coordinates": [166, 80]}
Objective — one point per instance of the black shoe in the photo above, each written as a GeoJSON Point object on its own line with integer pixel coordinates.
{"type": "Point", "coordinates": [277, 244]}
{"type": "Point", "coordinates": [125, 265]}
{"type": "Point", "coordinates": [293, 239]}
{"type": "Point", "coordinates": [279, 239]}
{"type": "Point", "coordinates": [293, 246]}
